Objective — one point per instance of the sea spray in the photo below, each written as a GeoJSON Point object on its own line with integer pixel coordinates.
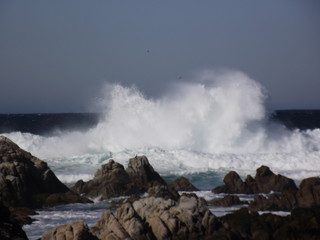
{"type": "Point", "coordinates": [216, 122]}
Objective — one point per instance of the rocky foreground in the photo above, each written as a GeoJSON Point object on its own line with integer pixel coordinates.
{"type": "Point", "coordinates": [27, 183]}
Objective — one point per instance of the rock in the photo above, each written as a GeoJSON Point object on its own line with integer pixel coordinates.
{"type": "Point", "coordinates": [227, 201]}
{"type": "Point", "coordinates": [9, 228]}
{"type": "Point", "coordinates": [182, 184]}
{"type": "Point", "coordinates": [26, 181]}
{"type": "Point", "coordinates": [163, 192]}
{"type": "Point", "coordinates": [309, 192]}
{"type": "Point", "coordinates": [72, 231]}
{"type": "Point", "coordinates": [265, 181]}
{"type": "Point", "coordinates": [307, 196]}
{"type": "Point", "coordinates": [158, 218]}
{"type": "Point", "coordinates": [111, 180]}
{"type": "Point", "coordinates": [142, 173]}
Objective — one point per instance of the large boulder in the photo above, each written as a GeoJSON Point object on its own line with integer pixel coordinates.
{"type": "Point", "coordinates": [26, 181]}
{"type": "Point", "coordinates": [142, 173]}
{"type": "Point", "coordinates": [71, 231]}
{"type": "Point", "coordinates": [111, 180]}
{"type": "Point", "coordinates": [265, 181]}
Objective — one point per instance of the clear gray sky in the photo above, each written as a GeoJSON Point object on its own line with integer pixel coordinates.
{"type": "Point", "coordinates": [56, 55]}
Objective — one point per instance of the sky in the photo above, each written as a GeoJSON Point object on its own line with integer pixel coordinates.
{"type": "Point", "coordinates": [55, 56]}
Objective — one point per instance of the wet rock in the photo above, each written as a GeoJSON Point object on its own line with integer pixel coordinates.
{"type": "Point", "coordinates": [265, 181]}
{"type": "Point", "coordinates": [111, 180]}
{"type": "Point", "coordinates": [23, 178]}
{"type": "Point", "coordinates": [182, 184]}
{"type": "Point", "coordinates": [307, 196]}
{"type": "Point", "coordinates": [10, 229]}
{"type": "Point", "coordinates": [142, 173]}
{"type": "Point", "coordinates": [163, 192]}
{"type": "Point", "coordinates": [72, 231]}
{"type": "Point", "coordinates": [227, 201]}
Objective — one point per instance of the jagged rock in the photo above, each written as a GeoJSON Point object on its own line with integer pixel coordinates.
{"type": "Point", "coordinates": [307, 196]}
{"type": "Point", "coordinates": [227, 201]}
{"type": "Point", "coordinates": [182, 184]}
{"type": "Point", "coordinates": [164, 192]}
{"type": "Point", "coordinates": [158, 218]}
{"type": "Point", "coordinates": [71, 231]}
{"type": "Point", "coordinates": [142, 173]}
{"type": "Point", "coordinates": [265, 181]}
{"type": "Point", "coordinates": [309, 192]}
{"type": "Point", "coordinates": [111, 180]}
{"type": "Point", "coordinates": [25, 180]}
{"type": "Point", "coordinates": [9, 228]}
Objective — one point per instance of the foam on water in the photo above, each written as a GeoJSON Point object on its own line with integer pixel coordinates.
{"type": "Point", "coordinates": [215, 123]}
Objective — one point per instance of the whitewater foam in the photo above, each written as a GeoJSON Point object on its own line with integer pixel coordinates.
{"type": "Point", "coordinates": [216, 123]}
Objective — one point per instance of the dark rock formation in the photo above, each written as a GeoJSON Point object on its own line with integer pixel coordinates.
{"type": "Point", "coordinates": [227, 201]}
{"type": "Point", "coordinates": [307, 196]}
{"type": "Point", "coordinates": [26, 181]}
{"type": "Point", "coordinates": [182, 184]}
{"type": "Point", "coordinates": [112, 180]}
{"type": "Point", "coordinates": [9, 228]}
{"type": "Point", "coordinates": [72, 231]}
{"type": "Point", "coordinates": [265, 181]}
{"type": "Point", "coordinates": [163, 192]}
{"type": "Point", "coordinates": [142, 173]}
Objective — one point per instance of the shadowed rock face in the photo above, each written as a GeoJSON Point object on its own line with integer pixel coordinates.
{"type": "Point", "coordinates": [26, 180]}
{"type": "Point", "coordinates": [142, 173]}
{"type": "Point", "coordinates": [182, 184]}
{"type": "Point", "coordinates": [265, 181]}
{"type": "Point", "coordinates": [112, 180]}
{"type": "Point", "coordinates": [9, 229]}
{"type": "Point", "coordinates": [307, 196]}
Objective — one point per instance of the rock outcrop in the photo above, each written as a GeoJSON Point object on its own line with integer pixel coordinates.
{"type": "Point", "coordinates": [157, 218]}
{"type": "Point", "coordinates": [71, 231]}
{"type": "Point", "coordinates": [307, 196]}
{"type": "Point", "coordinates": [142, 173]}
{"type": "Point", "coordinates": [265, 181]}
{"type": "Point", "coordinates": [182, 184]}
{"type": "Point", "coordinates": [227, 201]}
{"type": "Point", "coordinates": [112, 180]}
{"type": "Point", "coordinates": [26, 181]}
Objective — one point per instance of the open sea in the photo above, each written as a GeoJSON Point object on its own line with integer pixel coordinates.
{"type": "Point", "coordinates": [200, 131]}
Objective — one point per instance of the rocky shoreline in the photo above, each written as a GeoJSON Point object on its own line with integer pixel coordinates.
{"type": "Point", "coordinates": [27, 183]}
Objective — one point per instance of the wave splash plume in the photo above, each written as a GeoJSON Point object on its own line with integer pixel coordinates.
{"type": "Point", "coordinates": [217, 122]}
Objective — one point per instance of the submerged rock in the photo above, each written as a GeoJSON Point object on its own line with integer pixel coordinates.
{"type": "Point", "coordinates": [26, 181]}
{"type": "Point", "coordinates": [265, 181]}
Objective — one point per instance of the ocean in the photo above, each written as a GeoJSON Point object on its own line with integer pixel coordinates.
{"type": "Point", "coordinates": [198, 130]}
